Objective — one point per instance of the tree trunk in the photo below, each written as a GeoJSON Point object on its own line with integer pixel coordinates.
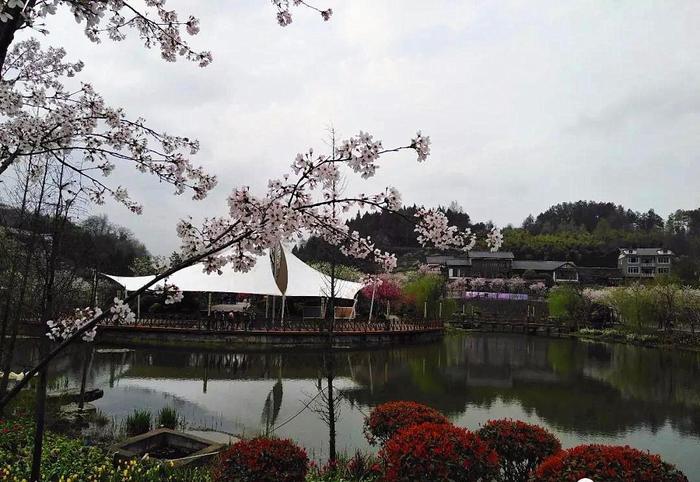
{"type": "Point", "coordinates": [47, 314]}
{"type": "Point", "coordinates": [331, 419]}
{"type": "Point", "coordinates": [40, 422]}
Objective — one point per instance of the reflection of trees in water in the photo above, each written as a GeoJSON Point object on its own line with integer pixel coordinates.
{"type": "Point", "coordinates": [585, 387]}
{"type": "Point", "coordinates": [552, 378]}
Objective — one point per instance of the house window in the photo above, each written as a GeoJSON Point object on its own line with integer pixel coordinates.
{"type": "Point", "coordinates": [633, 260]}
{"type": "Point", "coordinates": [663, 260]}
{"type": "Point", "coordinates": [663, 270]}
{"type": "Point", "coordinates": [633, 270]}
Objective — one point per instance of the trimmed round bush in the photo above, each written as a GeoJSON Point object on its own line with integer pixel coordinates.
{"type": "Point", "coordinates": [262, 460]}
{"type": "Point", "coordinates": [520, 446]}
{"type": "Point", "coordinates": [438, 451]}
{"type": "Point", "coordinates": [606, 462]}
{"type": "Point", "coordinates": [388, 418]}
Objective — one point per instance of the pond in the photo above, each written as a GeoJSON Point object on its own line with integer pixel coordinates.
{"type": "Point", "coordinates": [584, 392]}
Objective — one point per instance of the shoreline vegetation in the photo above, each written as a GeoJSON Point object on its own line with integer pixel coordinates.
{"type": "Point", "coordinates": [664, 341]}
{"type": "Point", "coordinates": [414, 441]}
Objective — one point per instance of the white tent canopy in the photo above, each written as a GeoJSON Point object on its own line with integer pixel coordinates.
{"type": "Point", "coordinates": [307, 281]}
{"type": "Point", "coordinates": [130, 283]}
{"type": "Point", "coordinates": [303, 280]}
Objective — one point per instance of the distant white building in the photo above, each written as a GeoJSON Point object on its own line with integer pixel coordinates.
{"type": "Point", "coordinates": [645, 262]}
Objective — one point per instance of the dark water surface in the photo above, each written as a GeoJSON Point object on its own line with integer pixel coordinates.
{"type": "Point", "coordinates": [584, 392]}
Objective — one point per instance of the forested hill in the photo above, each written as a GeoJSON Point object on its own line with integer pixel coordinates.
{"type": "Point", "coordinates": [586, 232]}
{"type": "Point", "coordinates": [93, 243]}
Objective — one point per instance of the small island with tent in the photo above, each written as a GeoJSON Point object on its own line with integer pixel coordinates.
{"type": "Point", "coordinates": [281, 301]}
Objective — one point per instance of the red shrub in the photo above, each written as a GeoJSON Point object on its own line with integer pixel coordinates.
{"type": "Point", "coordinates": [520, 446]}
{"type": "Point", "coordinates": [606, 462]}
{"type": "Point", "coordinates": [262, 460]}
{"type": "Point", "coordinates": [436, 451]}
{"type": "Point", "coordinates": [388, 418]}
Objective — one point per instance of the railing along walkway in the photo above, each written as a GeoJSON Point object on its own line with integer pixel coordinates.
{"type": "Point", "coordinates": [293, 325]}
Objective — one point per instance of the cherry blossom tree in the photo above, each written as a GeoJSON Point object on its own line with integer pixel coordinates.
{"type": "Point", "coordinates": [298, 202]}
{"type": "Point", "coordinates": [46, 114]}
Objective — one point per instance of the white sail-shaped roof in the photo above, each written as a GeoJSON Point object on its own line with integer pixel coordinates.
{"type": "Point", "coordinates": [130, 283]}
{"type": "Point", "coordinates": [258, 281]}
{"type": "Point", "coordinates": [307, 281]}
{"type": "Point", "coordinates": [302, 280]}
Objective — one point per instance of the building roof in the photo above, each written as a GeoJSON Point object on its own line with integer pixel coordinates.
{"type": "Point", "coordinates": [541, 265]}
{"type": "Point", "coordinates": [645, 251]}
{"type": "Point", "coordinates": [448, 260]}
{"type": "Point", "coordinates": [303, 280]}
{"type": "Point", "coordinates": [466, 259]}
{"type": "Point", "coordinates": [491, 254]}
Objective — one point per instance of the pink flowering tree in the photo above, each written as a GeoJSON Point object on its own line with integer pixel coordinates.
{"type": "Point", "coordinates": [478, 284]}
{"type": "Point", "coordinates": [380, 288]}
{"type": "Point", "coordinates": [497, 284]}
{"type": "Point", "coordinates": [516, 284]}
{"type": "Point", "coordinates": [538, 288]}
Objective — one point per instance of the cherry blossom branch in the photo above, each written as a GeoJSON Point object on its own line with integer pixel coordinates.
{"type": "Point", "coordinates": [40, 117]}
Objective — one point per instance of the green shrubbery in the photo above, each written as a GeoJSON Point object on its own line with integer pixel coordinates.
{"type": "Point", "coordinates": [69, 459]}
{"type": "Point", "coordinates": [422, 290]}
{"type": "Point", "coordinates": [565, 303]}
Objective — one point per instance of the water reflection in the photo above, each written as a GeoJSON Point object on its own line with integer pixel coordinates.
{"type": "Point", "coordinates": [583, 391]}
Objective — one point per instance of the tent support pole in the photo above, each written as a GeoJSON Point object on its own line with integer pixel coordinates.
{"type": "Point", "coordinates": [209, 305]}
{"type": "Point", "coordinates": [274, 303]}
{"type": "Point", "coordinates": [371, 303]}
{"type": "Point", "coordinates": [267, 307]}
{"type": "Point", "coordinates": [284, 299]}
{"type": "Point", "coordinates": [138, 307]}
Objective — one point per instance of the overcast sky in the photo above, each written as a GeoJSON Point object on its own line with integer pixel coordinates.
{"type": "Point", "coordinates": [528, 103]}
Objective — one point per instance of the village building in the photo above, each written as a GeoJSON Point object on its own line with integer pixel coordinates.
{"type": "Point", "coordinates": [558, 271]}
{"type": "Point", "coordinates": [644, 262]}
{"type": "Point", "coordinates": [475, 264]}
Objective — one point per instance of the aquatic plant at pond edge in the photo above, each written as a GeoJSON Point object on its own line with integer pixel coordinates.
{"type": "Point", "coordinates": [168, 418]}
{"type": "Point", "coordinates": [388, 418]}
{"type": "Point", "coordinates": [138, 422]}
{"type": "Point", "coordinates": [606, 462]}
{"type": "Point", "coordinates": [520, 446]}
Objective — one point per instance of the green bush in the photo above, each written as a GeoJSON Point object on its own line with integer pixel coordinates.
{"type": "Point", "coordinates": [138, 422]}
{"type": "Point", "coordinates": [168, 418]}
{"type": "Point", "coordinates": [422, 290]}
{"type": "Point", "coordinates": [565, 303]}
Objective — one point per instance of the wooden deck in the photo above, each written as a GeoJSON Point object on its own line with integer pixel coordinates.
{"type": "Point", "coordinates": [506, 325]}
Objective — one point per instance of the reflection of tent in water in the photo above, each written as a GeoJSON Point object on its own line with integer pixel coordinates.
{"type": "Point", "coordinates": [279, 273]}
{"type": "Point", "coordinates": [271, 409]}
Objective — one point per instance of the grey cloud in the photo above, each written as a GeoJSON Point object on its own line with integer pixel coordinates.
{"type": "Point", "coordinates": [527, 105]}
